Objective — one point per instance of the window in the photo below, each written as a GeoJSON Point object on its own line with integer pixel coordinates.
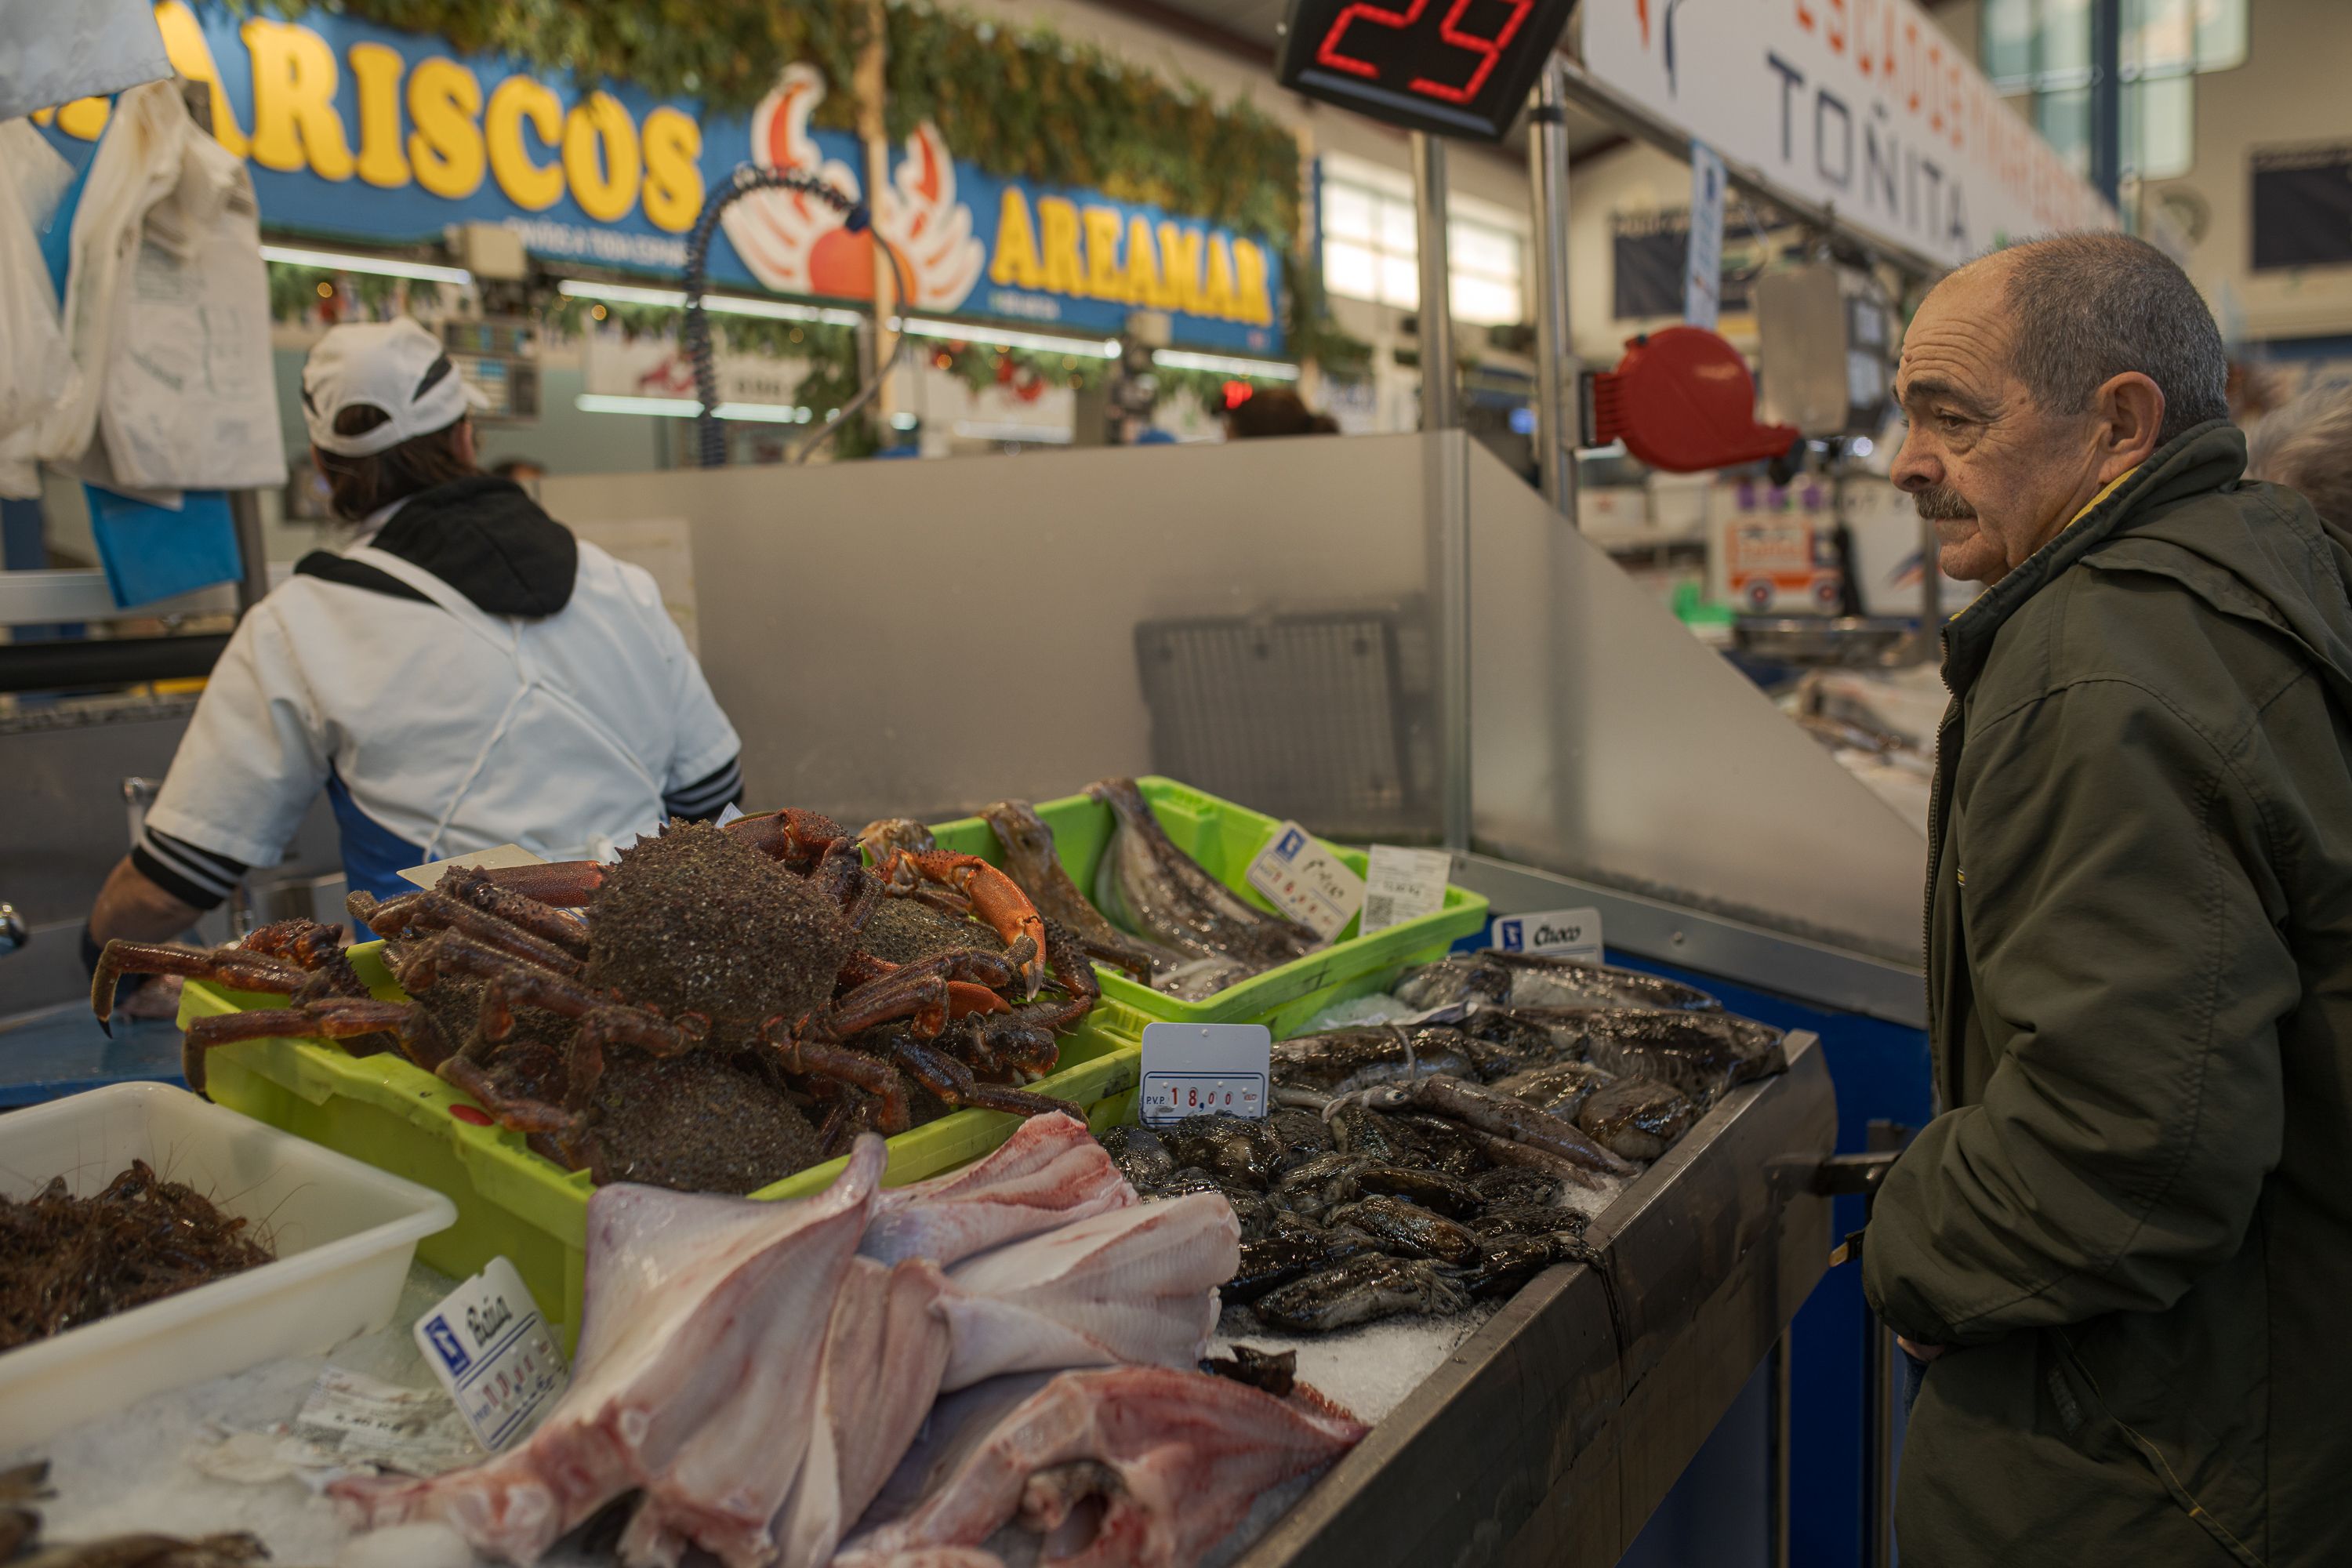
{"type": "Point", "coordinates": [2038, 53]}
{"type": "Point", "coordinates": [1371, 250]}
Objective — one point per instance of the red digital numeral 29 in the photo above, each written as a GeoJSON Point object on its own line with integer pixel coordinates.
{"type": "Point", "coordinates": [1488, 50]}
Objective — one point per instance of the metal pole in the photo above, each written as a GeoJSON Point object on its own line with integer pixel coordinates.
{"type": "Point", "coordinates": [1439, 409]}
{"type": "Point", "coordinates": [252, 551]}
{"type": "Point", "coordinates": [2107, 96]}
{"type": "Point", "coordinates": [1776, 1499]}
{"type": "Point", "coordinates": [1556, 417]}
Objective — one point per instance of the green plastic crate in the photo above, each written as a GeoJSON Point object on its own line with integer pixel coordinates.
{"type": "Point", "coordinates": [1224, 838]}
{"type": "Point", "coordinates": [393, 1114]}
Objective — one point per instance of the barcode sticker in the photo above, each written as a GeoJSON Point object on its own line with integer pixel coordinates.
{"type": "Point", "coordinates": [1402, 884]}
{"type": "Point", "coordinates": [1307, 882]}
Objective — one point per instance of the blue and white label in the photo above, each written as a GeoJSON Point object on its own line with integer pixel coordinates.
{"type": "Point", "coordinates": [1551, 933]}
{"type": "Point", "coordinates": [495, 1354]}
{"type": "Point", "coordinates": [1192, 1070]}
{"type": "Point", "coordinates": [1305, 880]}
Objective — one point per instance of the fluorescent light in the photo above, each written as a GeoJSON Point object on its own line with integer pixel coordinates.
{"type": "Point", "coordinates": [903, 422]}
{"type": "Point", "coordinates": [688, 407]}
{"type": "Point", "coordinates": [382, 266]}
{"type": "Point", "coordinates": [715, 304]}
{"type": "Point", "coordinates": [1264, 369]}
{"type": "Point", "coordinates": [958, 331]}
{"type": "Point", "coordinates": [771, 413]}
{"type": "Point", "coordinates": [615, 402]}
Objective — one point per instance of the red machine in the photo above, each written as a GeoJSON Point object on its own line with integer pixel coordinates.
{"type": "Point", "coordinates": [1681, 400]}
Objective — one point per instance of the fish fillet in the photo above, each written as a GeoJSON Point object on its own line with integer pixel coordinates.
{"type": "Point", "coordinates": [1050, 1171]}
{"type": "Point", "coordinates": [1130, 1285]}
{"type": "Point", "coordinates": [1174, 1458]}
{"type": "Point", "coordinates": [674, 1320]}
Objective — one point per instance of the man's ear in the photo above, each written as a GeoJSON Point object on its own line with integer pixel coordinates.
{"type": "Point", "coordinates": [2130, 413]}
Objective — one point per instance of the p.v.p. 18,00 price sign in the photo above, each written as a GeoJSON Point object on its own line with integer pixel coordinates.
{"type": "Point", "coordinates": [1453, 68]}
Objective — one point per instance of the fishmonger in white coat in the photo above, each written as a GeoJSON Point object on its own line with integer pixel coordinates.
{"type": "Point", "coordinates": [467, 673]}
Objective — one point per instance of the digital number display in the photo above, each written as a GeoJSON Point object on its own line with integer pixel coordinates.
{"type": "Point", "coordinates": [1453, 68]}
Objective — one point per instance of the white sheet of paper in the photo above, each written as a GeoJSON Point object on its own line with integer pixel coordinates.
{"type": "Point", "coordinates": [1401, 885]}
{"type": "Point", "coordinates": [497, 858]}
{"type": "Point", "coordinates": [1306, 881]}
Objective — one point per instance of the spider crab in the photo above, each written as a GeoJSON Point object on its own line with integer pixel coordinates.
{"type": "Point", "coordinates": [742, 939]}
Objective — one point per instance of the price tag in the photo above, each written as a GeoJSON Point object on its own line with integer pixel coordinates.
{"type": "Point", "coordinates": [492, 1351]}
{"type": "Point", "coordinates": [1553, 933]}
{"type": "Point", "coordinates": [1306, 881]}
{"type": "Point", "coordinates": [1191, 1070]}
{"type": "Point", "coordinates": [429, 875]}
{"type": "Point", "coordinates": [1402, 884]}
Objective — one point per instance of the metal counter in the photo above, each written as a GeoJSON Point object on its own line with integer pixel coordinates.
{"type": "Point", "coordinates": [1553, 1433]}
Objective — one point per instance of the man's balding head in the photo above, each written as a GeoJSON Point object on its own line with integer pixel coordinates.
{"type": "Point", "coordinates": [2036, 376]}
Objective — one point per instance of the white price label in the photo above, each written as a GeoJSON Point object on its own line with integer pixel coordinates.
{"type": "Point", "coordinates": [1191, 1070]}
{"type": "Point", "coordinates": [1552, 933]}
{"type": "Point", "coordinates": [1402, 884]}
{"type": "Point", "coordinates": [489, 1347]}
{"type": "Point", "coordinates": [1306, 881]}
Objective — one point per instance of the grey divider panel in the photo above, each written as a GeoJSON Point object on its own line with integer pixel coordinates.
{"type": "Point", "coordinates": [921, 638]}
{"type": "Point", "coordinates": [1608, 743]}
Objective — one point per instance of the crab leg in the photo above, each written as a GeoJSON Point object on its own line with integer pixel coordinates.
{"type": "Point", "coordinates": [314, 947]}
{"type": "Point", "coordinates": [996, 897]}
{"type": "Point", "coordinates": [432, 909]}
{"type": "Point", "coordinates": [952, 1082]}
{"type": "Point", "coordinates": [470, 885]}
{"type": "Point", "coordinates": [512, 1113]}
{"type": "Point", "coordinates": [233, 967]}
{"type": "Point", "coordinates": [328, 1017]}
{"type": "Point", "coordinates": [565, 884]}
{"type": "Point", "coordinates": [798, 838]}
{"type": "Point", "coordinates": [824, 1058]}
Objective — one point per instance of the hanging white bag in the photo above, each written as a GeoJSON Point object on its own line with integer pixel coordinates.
{"type": "Point", "coordinates": [36, 369]}
{"type": "Point", "coordinates": [54, 52]}
{"type": "Point", "coordinates": [168, 312]}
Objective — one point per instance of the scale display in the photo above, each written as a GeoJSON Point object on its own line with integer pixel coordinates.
{"type": "Point", "coordinates": [1452, 67]}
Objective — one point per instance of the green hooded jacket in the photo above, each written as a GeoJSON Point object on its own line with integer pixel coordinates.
{"type": "Point", "coordinates": [2133, 1221]}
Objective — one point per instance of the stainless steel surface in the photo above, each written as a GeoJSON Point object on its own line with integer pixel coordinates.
{"type": "Point", "coordinates": [252, 549]}
{"type": "Point", "coordinates": [1776, 1495]}
{"type": "Point", "coordinates": [14, 932]}
{"type": "Point", "coordinates": [1823, 639]}
{"type": "Point", "coordinates": [1548, 150]}
{"type": "Point", "coordinates": [1611, 746]}
{"type": "Point", "coordinates": [1604, 101]}
{"type": "Point", "coordinates": [68, 823]}
{"type": "Point", "coordinates": [1446, 468]}
{"type": "Point", "coordinates": [1551, 1435]}
{"type": "Point", "coordinates": [1812, 972]}
{"type": "Point", "coordinates": [921, 638]}
{"type": "Point", "coordinates": [1440, 396]}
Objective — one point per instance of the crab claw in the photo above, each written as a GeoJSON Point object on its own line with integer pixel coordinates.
{"type": "Point", "coordinates": [566, 884]}
{"type": "Point", "coordinates": [996, 897]}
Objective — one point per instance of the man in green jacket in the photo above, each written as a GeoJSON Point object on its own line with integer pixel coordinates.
{"type": "Point", "coordinates": [2124, 1250]}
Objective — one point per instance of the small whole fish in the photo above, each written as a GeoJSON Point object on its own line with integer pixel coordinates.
{"type": "Point", "coordinates": [1441, 1144]}
{"type": "Point", "coordinates": [1526, 1219]}
{"type": "Point", "coordinates": [1702, 1054]}
{"type": "Point", "coordinates": [1476, 1106]}
{"type": "Point", "coordinates": [1314, 1185]}
{"type": "Point", "coordinates": [1273, 1260]}
{"type": "Point", "coordinates": [1506, 1262]}
{"type": "Point", "coordinates": [1147, 884]}
{"type": "Point", "coordinates": [1431, 1189]}
{"type": "Point", "coordinates": [1514, 1184]}
{"type": "Point", "coordinates": [1636, 1117]}
{"type": "Point", "coordinates": [1407, 1230]}
{"type": "Point", "coordinates": [1559, 1091]}
{"type": "Point", "coordinates": [1530, 980]}
{"type": "Point", "coordinates": [1363, 1289]}
{"type": "Point", "coordinates": [1341, 1061]}
{"type": "Point", "coordinates": [1036, 867]}
{"type": "Point", "coordinates": [1141, 1154]}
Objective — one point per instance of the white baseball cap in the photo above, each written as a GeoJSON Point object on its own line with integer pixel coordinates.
{"type": "Point", "coordinates": [394, 365]}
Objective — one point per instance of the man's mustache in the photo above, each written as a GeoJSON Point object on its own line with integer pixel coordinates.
{"type": "Point", "coordinates": [1941, 505]}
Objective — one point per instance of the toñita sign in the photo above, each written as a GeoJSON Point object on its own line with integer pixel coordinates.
{"type": "Point", "coordinates": [1860, 105]}
{"type": "Point", "coordinates": [360, 133]}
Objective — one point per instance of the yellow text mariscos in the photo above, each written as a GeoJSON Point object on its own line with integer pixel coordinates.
{"type": "Point", "coordinates": [432, 124]}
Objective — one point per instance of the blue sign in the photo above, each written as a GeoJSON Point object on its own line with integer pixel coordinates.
{"type": "Point", "coordinates": [358, 133]}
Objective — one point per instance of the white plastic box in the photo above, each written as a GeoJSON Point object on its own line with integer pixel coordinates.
{"type": "Point", "coordinates": [343, 1234]}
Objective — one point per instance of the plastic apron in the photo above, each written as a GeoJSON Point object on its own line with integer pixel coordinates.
{"type": "Point", "coordinates": [550, 717]}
